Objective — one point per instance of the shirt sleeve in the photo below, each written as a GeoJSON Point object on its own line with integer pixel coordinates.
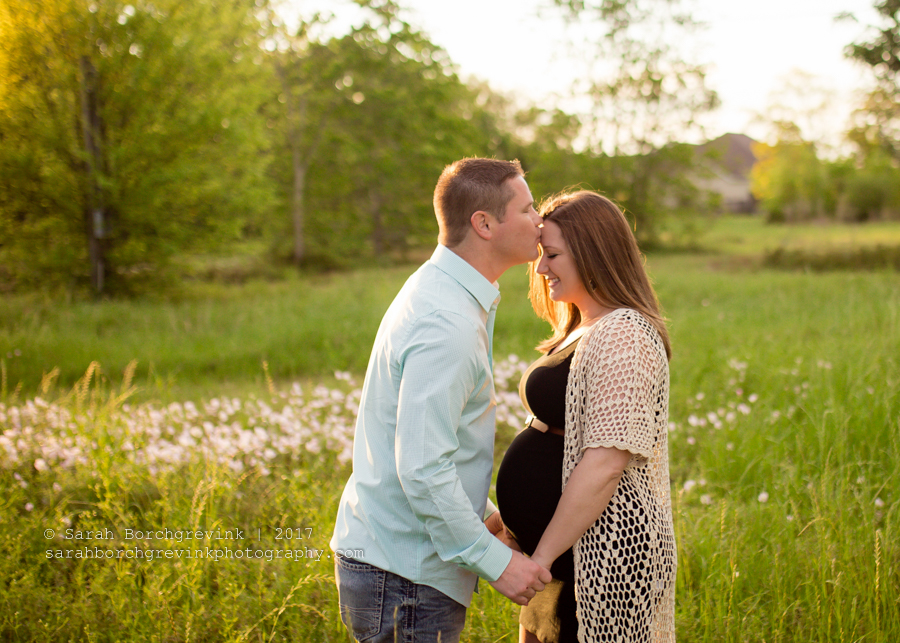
{"type": "Point", "coordinates": [490, 509]}
{"type": "Point", "coordinates": [440, 371]}
{"type": "Point", "coordinates": [620, 362]}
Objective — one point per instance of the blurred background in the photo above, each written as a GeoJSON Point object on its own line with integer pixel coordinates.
{"type": "Point", "coordinates": [149, 143]}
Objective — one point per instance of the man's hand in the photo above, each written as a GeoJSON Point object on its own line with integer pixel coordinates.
{"type": "Point", "coordinates": [495, 525]}
{"type": "Point", "coordinates": [521, 579]}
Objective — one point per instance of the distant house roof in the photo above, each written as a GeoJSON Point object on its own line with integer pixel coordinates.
{"type": "Point", "coordinates": [733, 152]}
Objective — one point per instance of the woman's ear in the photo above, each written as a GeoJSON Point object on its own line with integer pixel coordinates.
{"type": "Point", "coordinates": [482, 223]}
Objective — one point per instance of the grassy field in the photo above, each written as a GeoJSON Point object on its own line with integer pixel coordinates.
{"type": "Point", "coordinates": [751, 236]}
{"type": "Point", "coordinates": [784, 444]}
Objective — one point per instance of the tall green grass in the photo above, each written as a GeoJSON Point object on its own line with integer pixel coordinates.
{"type": "Point", "coordinates": [787, 516]}
{"type": "Point", "coordinates": [783, 451]}
{"type": "Point", "coordinates": [301, 327]}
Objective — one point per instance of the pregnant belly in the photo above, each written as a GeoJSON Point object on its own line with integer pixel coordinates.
{"type": "Point", "coordinates": [529, 485]}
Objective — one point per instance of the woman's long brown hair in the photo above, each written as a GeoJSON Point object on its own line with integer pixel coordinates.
{"type": "Point", "coordinates": [608, 260]}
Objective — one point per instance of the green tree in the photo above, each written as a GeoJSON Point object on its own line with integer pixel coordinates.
{"type": "Point", "coordinates": [789, 179]}
{"type": "Point", "coordinates": [300, 112]}
{"type": "Point", "coordinates": [877, 123]}
{"type": "Point", "coordinates": [384, 113]}
{"type": "Point", "coordinates": [129, 133]}
{"type": "Point", "coordinates": [645, 96]}
{"type": "Point", "coordinates": [871, 188]}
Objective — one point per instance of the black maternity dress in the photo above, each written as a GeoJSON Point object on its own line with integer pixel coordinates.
{"type": "Point", "coordinates": [529, 486]}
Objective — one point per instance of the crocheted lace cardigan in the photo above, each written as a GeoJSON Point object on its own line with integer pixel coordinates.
{"type": "Point", "coordinates": [618, 396]}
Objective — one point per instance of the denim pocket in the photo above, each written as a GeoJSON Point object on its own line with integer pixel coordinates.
{"type": "Point", "coordinates": [361, 596]}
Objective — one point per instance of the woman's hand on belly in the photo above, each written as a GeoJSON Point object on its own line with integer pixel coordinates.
{"type": "Point", "coordinates": [495, 525]}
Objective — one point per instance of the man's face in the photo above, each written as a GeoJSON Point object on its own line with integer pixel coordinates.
{"type": "Point", "coordinates": [516, 237]}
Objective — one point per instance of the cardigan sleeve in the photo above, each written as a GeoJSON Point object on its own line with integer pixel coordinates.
{"type": "Point", "coordinates": [619, 396]}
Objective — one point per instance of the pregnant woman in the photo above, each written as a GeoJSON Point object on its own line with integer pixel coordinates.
{"type": "Point", "coordinates": [584, 489]}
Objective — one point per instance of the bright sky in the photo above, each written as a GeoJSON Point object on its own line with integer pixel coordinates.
{"type": "Point", "coordinates": [750, 49]}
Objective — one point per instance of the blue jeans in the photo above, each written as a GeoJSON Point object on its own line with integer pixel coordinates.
{"type": "Point", "coordinates": [380, 607]}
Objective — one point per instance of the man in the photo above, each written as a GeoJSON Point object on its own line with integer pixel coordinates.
{"type": "Point", "coordinates": [409, 539]}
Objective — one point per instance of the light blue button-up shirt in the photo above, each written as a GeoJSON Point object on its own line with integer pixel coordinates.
{"type": "Point", "coordinates": [424, 444]}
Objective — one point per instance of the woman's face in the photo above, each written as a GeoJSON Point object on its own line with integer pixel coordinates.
{"type": "Point", "coordinates": [557, 266]}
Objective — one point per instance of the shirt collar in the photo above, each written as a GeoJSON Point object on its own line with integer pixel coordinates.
{"type": "Point", "coordinates": [462, 271]}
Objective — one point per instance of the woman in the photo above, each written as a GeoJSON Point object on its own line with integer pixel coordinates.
{"type": "Point", "coordinates": [600, 397]}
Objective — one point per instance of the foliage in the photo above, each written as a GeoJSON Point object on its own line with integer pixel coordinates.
{"type": "Point", "coordinates": [656, 190]}
{"type": "Point", "coordinates": [398, 116]}
{"type": "Point", "coordinates": [145, 114]}
{"type": "Point", "coordinates": [873, 190]}
{"type": "Point", "coordinates": [878, 258]}
{"type": "Point", "coordinates": [644, 95]}
{"type": "Point", "coordinates": [882, 53]}
{"type": "Point", "coordinates": [650, 92]}
{"type": "Point", "coordinates": [788, 178]}
{"type": "Point", "coordinates": [794, 184]}
{"type": "Point", "coordinates": [134, 133]}
{"type": "Point", "coordinates": [877, 123]}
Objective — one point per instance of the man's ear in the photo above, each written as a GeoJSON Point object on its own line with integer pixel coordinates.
{"type": "Point", "coordinates": [483, 223]}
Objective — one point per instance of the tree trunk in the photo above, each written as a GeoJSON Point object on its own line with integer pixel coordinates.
{"type": "Point", "coordinates": [94, 215]}
{"type": "Point", "coordinates": [296, 115]}
{"type": "Point", "coordinates": [377, 223]}
{"type": "Point", "coordinates": [298, 213]}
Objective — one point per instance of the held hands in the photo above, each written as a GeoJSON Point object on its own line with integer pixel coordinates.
{"type": "Point", "coordinates": [542, 560]}
{"type": "Point", "coordinates": [522, 579]}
